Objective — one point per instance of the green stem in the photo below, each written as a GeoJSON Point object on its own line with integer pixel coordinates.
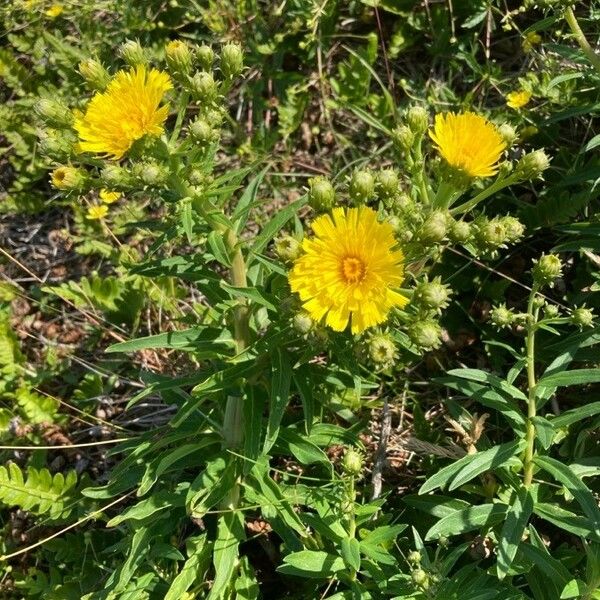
{"type": "Point", "coordinates": [532, 316]}
{"type": "Point", "coordinates": [571, 20]}
{"type": "Point", "coordinates": [498, 185]}
{"type": "Point", "coordinates": [419, 165]}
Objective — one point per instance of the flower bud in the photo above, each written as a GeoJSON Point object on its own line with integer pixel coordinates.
{"type": "Point", "coordinates": [352, 463]}
{"type": "Point", "coordinates": [403, 138]}
{"type": "Point", "coordinates": [321, 195]}
{"type": "Point", "coordinates": [547, 269]}
{"type": "Point", "coordinates": [417, 118]}
{"type": "Point", "coordinates": [287, 248]}
{"type": "Point", "coordinates": [204, 87]}
{"type": "Point", "coordinates": [582, 317]}
{"type": "Point", "coordinates": [205, 56]}
{"type": "Point", "coordinates": [54, 112]}
{"type": "Point", "coordinates": [362, 186]}
{"type": "Point", "coordinates": [56, 144]}
{"type": "Point", "coordinates": [232, 60]}
{"type": "Point", "coordinates": [532, 165]}
{"type": "Point", "coordinates": [387, 183]}
{"type": "Point", "coordinates": [420, 578]}
{"type": "Point", "coordinates": [514, 228]}
{"type": "Point", "coordinates": [459, 232]}
{"type": "Point", "coordinates": [95, 75]}
{"type": "Point", "coordinates": [528, 132]}
{"type": "Point", "coordinates": [202, 132]}
{"type": "Point", "coordinates": [214, 116]}
{"type": "Point", "coordinates": [132, 53]}
{"type": "Point", "coordinates": [508, 133]}
{"type": "Point", "coordinates": [490, 234]}
{"type": "Point", "coordinates": [179, 57]}
{"type": "Point", "coordinates": [302, 322]}
{"type": "Point", "coordinates": [435, 227]}
{"type": "Point", "coordinates": [432, 295]}
{"type": "Point", "coordinates": [501, 316]}
{"type": "Point", "coordinates": [382, 350]}
{"type": "Point", "coordinates": [414, 557]}
{"type": "Point", "coordinates": [551, 311]}
{"type": "Point", "coordinates": [67, 178]}
{"type": "Point", "coordinates": [116, 177]}
{"type": "Point", "coordinates": [425, 334]}
{"type": "Point", "coordinates": [150, 174]}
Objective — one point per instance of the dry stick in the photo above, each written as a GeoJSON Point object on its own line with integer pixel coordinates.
{"type": "Point", "coordinates": [380, 456]}
{"type": "Point", "coordinates": [69, 446]}
{"type": "Point", "coordinates": [385, 56]}
{"type": "Point", "coordinates": [76, 524]}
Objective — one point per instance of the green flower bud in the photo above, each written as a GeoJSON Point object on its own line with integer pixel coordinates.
{"type": "Point", "coordinates": [56, 144]}
{"type": "Point", "coordinates": [501, 316]}
{"type": "Point", "coordinates": [459, 232]}
{"type": "Point", "coordinates": [551, 311]}
{"type": "Point", "coordinates": [435, 227]}
{"type": "Point", "coordinates": [362, 186]}
{"type": "Point", "coordinates": [425, 334]}
{"type": "Point", "coordinates": [432, 295]}
{"type": "Point", "coordinates": [382, 350]}
{"type": "Point", "coordinates": [387, 183]}
{"type": "Point", "coordinates": [202, 132]}
{"type": "Point", "coordinates": [490, 234]}
{"type": "Point", "coordinates": [414, 557]}
{"type": "Point", "coordinates": [132, 53]}
{"type": "Point", "coordinates": [203, 87]}
{"type": "Point", "coordinates": [547, 269]}
{"type": "Point", "coordinates": [214, 116]}
{"type": "Point", "coordinates": [116, 178]}
{"type": "Point", "coordinates": [443, 541]}
{"type": "Point", "coordinates": [95, 75]}
{"type": "Point", "coordinates": [205, 56]}
{"type": "Point", "coordinates": [352, 463]}
{"type": "Point", "coordinates": [417, 118]}
{"type": "Point", "coordinates": [403, 203]}
{"type": "Point", "coordinates": [420, 578]}
{"type": "Point", "coordinates": [179, 57]}
{"type": "Point", "coordinates": [302, 322]}
{"type": "Point", "coordinates": [514, 228]}
{"type": "Point", "coordinates": [403, 138]}
{"type": "Point", "coordinates": [68, 178]}
{"type": "Point", "coordinates": [532, 165]}
{"type": "Point", "coordinates": [287, 248]}
{"type": "Point", "coordinates": [582, 317]}
{"type": "Point", "coordinates": [151, 174]}
{"type": "Point", "coordinates": [321, 195]}
{"type": "Point", "coordinates": [508, 133]}
{"type": "Point", "coordinates": [54, 112]}
{"type": "Point", "coordinates": [232, 60]}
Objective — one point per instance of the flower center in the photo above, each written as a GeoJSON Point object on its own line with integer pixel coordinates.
{"type": "Point", "coordinates": [353, 269]}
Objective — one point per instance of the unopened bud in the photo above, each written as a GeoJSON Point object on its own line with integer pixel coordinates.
{"type": "Point", "coordinates": [432, 295]}
{"type": "Point", "coordinates": [547, 269]}
{"type": "Point", "coordinates": [403, 138]}
{"type": "Point", "coordinates": [582, 317]}
{"type": "Point", "coordinates": [514, 228]}
{"type": "Point", "coordinates": [459, 232]}
{"type": "Point", "coordinates": [56, 144]}
{"type": "Point", "coordinates": [435, 227]}
{"type": "Point", "coordinates": [414, 557]}
{"type": "Point", "coordinates": [232, 60]}
{"type": "Point", "coordinates": [115, 177]}
{"type": "Point", "coordinates": [382, 350]}
{"type": "Point", "coordinates": [54, 112]}
{"type": "Point", "coordinates": [425, 334]}
{"type": "Point", "coordinates": [95, 75]}
{"type": "Point", "coordinates": [501, 316]}
{"type": "Point", "coordinates": [287, 248]}
{"type": "Point", "coordinates": [387, 183]}
{"type": "Point", "coordinates": [132, 53]}
{"type": "Point", "coordinates": [490, 234]}
{"type": "Point", "coordinates": [551, 311]}
{"type": "Point", "coordinates": [150, 174]}
{"type": "Point", "coordinates": [179, 57]}
{"type": "Point", "coordinates": [204, 87]}
{"type": "Point", "coordinates": [202, 132]}
{"type": "Point", "coordinates": [417, 118]}
{"type": "Point", "coordinates": [302, 322]}
{"type": "Point", "coordinates": [352, 463]}
{"type": "Point", "coordinates": [420, 578]}
{"type": "Point", "coordinates": [362, 186]}
{"type": "Point", "coordinates": [508, 133]}
{"type": "Point", "coordinates": [532, 165]}
{"type": "Point", "coordinates": [321, 195]}
{"type": "Point", "coordinates": [67, 178]}
{"type": "Point", "coordinates": [205, 56]}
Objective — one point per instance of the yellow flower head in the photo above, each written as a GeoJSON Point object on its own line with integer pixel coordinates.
{"type": "Point", "coordinates": [127, 111]}
{"type": "Point", "coordinates": [109, 197]}
{"type": "Point", "coordinates": [55, 11]}
{"type": "Point", "coordinates": [66, 178]}
{"type": "Point", "coordinates": [348, 270]}
{"type": "Point", "coordinates": [518, 99]}
{"type": "Point", "coordinates": [96, 212]}
{"type": "Point", "coordinates": [531, 39]}
{"type": "Point", "coordinates": [468, 142]}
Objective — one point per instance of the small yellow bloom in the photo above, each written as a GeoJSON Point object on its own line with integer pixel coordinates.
{"type": "Point", "coordinates": [348, 270]}
{"type": "Point", "coordinates": [468, 142]}
{"type": "Point", "coordinates": [127, 111]}
{"type": "Point", "coordinates": [531, 39]}
{"type": "Point", "coordinates": [54, 11]}
{"type": "Point", "coordinates": [518, 99]}
{"type": "Point", "coordinates": [66, 178]}
{"type": "Point", "coordinates": [109, 197]}
{"type": "Point", "coordinates": [97, 212]}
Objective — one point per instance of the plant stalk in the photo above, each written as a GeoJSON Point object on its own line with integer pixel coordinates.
{"type": "Point", "coordinates": [571, 20]}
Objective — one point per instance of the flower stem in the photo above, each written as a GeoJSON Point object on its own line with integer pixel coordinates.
{"type": "Point", "coordinates": [571, 20]}
{"type": "Point", "coordinates": [498, 185]}
{"type": "Point", "coordinates": [532, 317]}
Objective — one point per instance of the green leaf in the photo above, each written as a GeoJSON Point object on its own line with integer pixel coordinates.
{"type": "Point", "coordinates": [247, 200]}
{"type": "Point", "coordinates": [211, 486]}
{"type": "Point", "coordinates": [303, 449]}
{"type": "Point", "coordinates": [191, 570]}
{"type": "Point", "coordinates": [312, 564]}
{"type": "Point", "coordinates": [564, 519]}
{"type": "Point", "coordinates": [280, 396]}
{"type": "Point", "coordinates": [575, 588]}
{"type": "Point", "coordinates": [161, 500]}
{"type": "Point", "coordinates": [436, 506]}
{"type": "Point", "coordinates": [468, 467]}
{"type": "Point", "coordinates": [351, 553]}
{"type": "Point", "coordinates": [218, 248]}
{"type": "Point", "coordinates": [544, 431]}
{"type": "Point", "coordinates": [249, 292]}
{"type": "Point", "coordinates": [253, 407]}
{"type": "Point", "coordinates": [512, 531]}
{"type": "Point", "coordinates": [567, 378]}
{"type": "Point", "coordinates": [492, 380]}
{"type": "Point", "coordinates": [576, 487]}
{"type": "Point", "coordinates": [468, 519]}
{"type": "Point", "coordinates": [577, 414]}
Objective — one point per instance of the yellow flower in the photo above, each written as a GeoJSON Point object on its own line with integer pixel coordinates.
{"type": "Point", "coordinates": [518, 99]}
{"type": "Point", "coordinates": [531, 39]}
{"type": "Point", "coordinates": [348, 270]}
{"type": "Point", "coordinates": [54, 11]}
{"type": "Point", "coordinates": [468, 142]}
{"type": "Point", "coordinates": [66, 178]}
{"type": "Point", "coordinates": [96, 212]}
{"type": "Point", "coordinates": [127, 111]}
{"type": "Point", "coordinates": [109, 197]}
